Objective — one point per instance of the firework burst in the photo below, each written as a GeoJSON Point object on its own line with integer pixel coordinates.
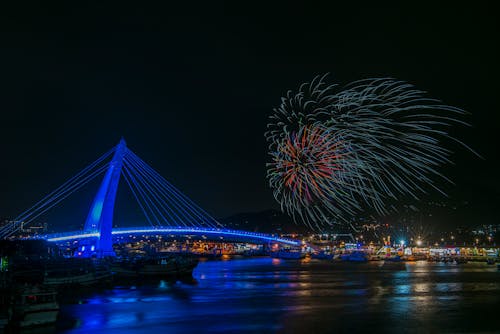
{"type": "Point", "coordinates": [306, 167]}
{"type": "Point", "coordinates": [337, 150]}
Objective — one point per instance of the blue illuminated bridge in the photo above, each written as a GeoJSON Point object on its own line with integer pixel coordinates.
{"type": "Point", "coordinates": [205, 233]}
{"type": "Point", "coordinates": [167, 211]}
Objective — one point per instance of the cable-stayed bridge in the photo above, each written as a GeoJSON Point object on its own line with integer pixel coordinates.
{"type": "Point", "coordinates": [167, 211]}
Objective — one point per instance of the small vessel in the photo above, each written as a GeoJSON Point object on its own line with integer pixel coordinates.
{"type": "Point", "coordinates": [395, 258]}
{"type": "Point", "coordinates": [76, 272]}
{"type": "Point", "coordinates": [410, 258]}
{"type": "Point", "coordinates": [288, 254]}
{"type": "Point", "coordinates": [84, 278]}
{"type": "Point", "coordinates": [322, 255]}
{"type": "Point", "coordinates": [35, 306]}
{"type": "Point", "coordinates": [167, 266]}
{"type": "Point", "coordinates": [356, 256]}
{"type": "Point", "coordinates": [253, 252]}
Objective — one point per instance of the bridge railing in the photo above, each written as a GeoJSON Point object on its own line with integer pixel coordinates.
{"type": "Point", "coordinates": [177, 231]}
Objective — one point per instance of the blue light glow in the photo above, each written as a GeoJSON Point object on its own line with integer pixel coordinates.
{"type": "Point", "coordinates": [96, 211]}
{"type": "Point", "coordinates": [213, 232]}
{"type": "Point", "coordinates": [161, 204]}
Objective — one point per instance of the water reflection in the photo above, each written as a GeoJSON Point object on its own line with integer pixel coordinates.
{"type": "Point", "coordinates": [270, 295]}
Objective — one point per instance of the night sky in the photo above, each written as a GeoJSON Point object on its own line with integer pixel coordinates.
{"type": "Point", "coordinates": [191, 88]}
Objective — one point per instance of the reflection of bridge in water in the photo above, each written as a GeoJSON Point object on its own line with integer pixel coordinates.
{"type": "Point", "coordinates": [167, 210]}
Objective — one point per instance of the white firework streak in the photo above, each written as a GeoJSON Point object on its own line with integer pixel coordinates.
{"type": "Point", "coordinates": [393, 134]}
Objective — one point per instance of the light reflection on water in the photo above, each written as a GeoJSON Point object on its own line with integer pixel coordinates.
{"type": "Point", "coordinates": [262, 295]}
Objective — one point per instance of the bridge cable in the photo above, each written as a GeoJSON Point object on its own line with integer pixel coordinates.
{"type": "Point", "coordinates": [172, 189]}
{"type": "Point", "coordinates": [174, 201]}
{"type": "Point", "coordinates": [142, 194]}
{"type": "Point", "coordinates": [168, 196]}
{"type": "Point", "coordinates": [167, 187]}
{"type": "Point", "coordinates": [124, 173]}
{"type": "Point", "coordinates": [160, 194]}
{"type": "Point", "coordinates": [24, 219]}
{"type": "Point", "coordinates": [76, 187]}
{"type": "Point", "coordinates": [147, 191]}
{"type": "Point", "coordinates": [65, 185]}
{"type": "Point", "coordinates": [144, 182]}
{"type": "Point", "coordinates": [161, 198]}
{"type": "Point", "coordinates": [27, 218]}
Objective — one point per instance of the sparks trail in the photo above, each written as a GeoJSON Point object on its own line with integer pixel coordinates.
{"type": "Point", "coordinates": [335, 150]}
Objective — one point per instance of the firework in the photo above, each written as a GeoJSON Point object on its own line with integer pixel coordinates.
{"type": "Point", "coordinates": [307, 166]}
{"type": "Point", "coordinates": [335, 151]}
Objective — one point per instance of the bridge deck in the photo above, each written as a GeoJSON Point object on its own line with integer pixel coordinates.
{"type": "Point", "coordinates": [209, 233]}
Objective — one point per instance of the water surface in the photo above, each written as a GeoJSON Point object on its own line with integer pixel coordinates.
{"type": "Point", "coordinates": [264, 295]}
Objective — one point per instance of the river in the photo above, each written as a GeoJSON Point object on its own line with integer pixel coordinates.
{"type": "Point", "coordinates": [264, 295]}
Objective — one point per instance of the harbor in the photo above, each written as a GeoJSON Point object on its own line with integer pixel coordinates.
{"type": "Point", "coordinates": [34, 276]}
{"type": "Point", "coordinates": [258, 293]}
{"type": "Point", "coordinates": [32, 284]}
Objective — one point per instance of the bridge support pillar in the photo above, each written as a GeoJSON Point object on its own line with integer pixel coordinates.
{"type": "Point", "coordinates": [100, 217]}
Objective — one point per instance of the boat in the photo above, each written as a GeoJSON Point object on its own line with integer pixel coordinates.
{"type": "Point", "coordinates": [356, 256]}
{"type": "Point", "coordinates": [70, 272]}
{"type": "Point", "coordinates": [395, 258]}
{"type": "Point", "coordinates": [64, 278]}
{"type": "Point", "coordinates": [288, 254]}
{"type": "Point", "coordinates": [410, 258]}
{"type": "Point", "coordinates": [35, 306]}
{"type": "Point", "coordinates": [322, 255]}
{"type": "Point", "coordinates": [253, 252]}
{"type": "Point", "coordinates": [166, 266]}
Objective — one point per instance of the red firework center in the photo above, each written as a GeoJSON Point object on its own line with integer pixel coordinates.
{"type": "Point", "coordinates": [309, 161]}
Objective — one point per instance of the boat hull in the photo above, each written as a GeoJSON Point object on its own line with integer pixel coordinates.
{"type": "Point", "coordinates": [85, 279]}
{"type": "Point", "coordinates": [288, 255]}
{"type": "Point", "coordinates": [39, 317]}
{"type": "Point", "coordinates": [168, 268]}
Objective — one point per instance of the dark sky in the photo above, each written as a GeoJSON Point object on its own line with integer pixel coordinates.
{"type": "Point", "coordinates": [190, 88]}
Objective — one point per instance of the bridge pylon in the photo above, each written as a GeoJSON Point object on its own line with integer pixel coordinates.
{"type": "Point", "coordinates": [100, 216]}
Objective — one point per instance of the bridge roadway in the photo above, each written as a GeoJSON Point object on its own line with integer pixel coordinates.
{"type": "Point", "coordinates": [209, 233]}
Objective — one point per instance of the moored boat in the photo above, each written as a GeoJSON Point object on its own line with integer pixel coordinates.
{"type": "Point", "coordinates": [76, 272]}
{"type": "Point", "coordinates": [322, 255]}
{"type": "Point", "coordinates": [356, 256]}
{"type": "Point", "coordinates": [35, 306]}
{"type": "Point", "coordinates": [166, 266]}
{"type": "Point", "coordinates": [288, 254]}
{"type": "Point", "coordinates": [395, 258]}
